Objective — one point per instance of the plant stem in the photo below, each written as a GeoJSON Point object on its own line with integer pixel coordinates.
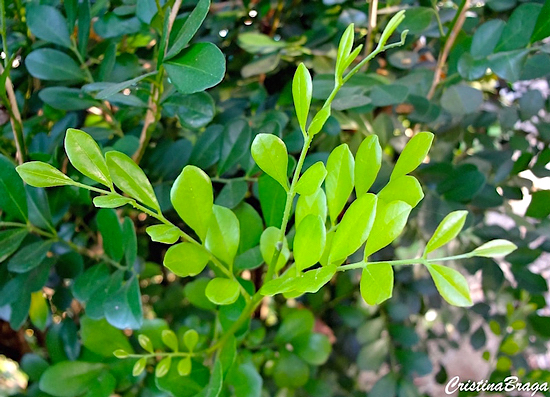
{"type": "Point", "coordinates": [373, 13]}
{"type": "Point", "coordinates": [363, 264]}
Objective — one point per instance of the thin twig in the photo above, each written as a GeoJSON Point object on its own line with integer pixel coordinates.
{"type": "Point", "coordinates": [373, 12]}
{"type": "Point", "coordinates": [457, 26]}
{"type": "Point", "coordinates": [15, 119]}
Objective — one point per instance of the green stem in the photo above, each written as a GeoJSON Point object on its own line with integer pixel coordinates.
{"type": "Point", "coordinates": [416, 261]}
{"type": "Point", "coordinates": [74, 49]}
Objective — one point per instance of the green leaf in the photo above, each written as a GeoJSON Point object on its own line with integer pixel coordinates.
{"type": "Point", "coordinates": [270, 153]}
{"type": "Point", "coordinates": [318, 121]}
{"type": "Point", "coordinates": [170, 339]}
{"type": "Point", "coordinates": [131, 179]}
{"type": "Point", "coordinates": [198, 67]}
{"type": "Point", "coordinates": [315, 204]}
{"type": "Point", "coordinates": [344, 49]}
{"type": "Point", "coordinates": [542, 26]}
{"type": "Point", "coordinates": [13, 199]}
{"type": "Point", "coordinates": [235, 144]}
{"type": "Point", "coordinates": [417, 20]}
{"type": "Point", "coordinates": [101, 338]}
{"type": "Point", "coordinates": [311, 180]}
{"type": "Point", "coordinates": [38, 311]}
{"type": "Point", "coordinates": [29, 257]}
{"type": "Point", "coordinates": [245, 380]}
{"type": "Point", "coordinates": [163, 233]}
{"type": "Point", "coordinates": [368, 161]}
{"type": "Point", "coordinates": [486, 38]}
{"type": "Point", "coordinates": [121, 353]}
{"type": "Point", "coordinates": [113, 88]}
{"type": "Point", "coordinates": [195, 110]}
{"type": "Point", "coordinates": [290, 372]}
{"type": "Point", "coordinates": [54, 65]}
{"type": "Point", "coordinates": [355, 228]}
{"type": "Point", "coordinates": [452, 285]}
{"type": "Point", "coordinates": [111, 201]}
{"type": "Point", "coordinates": [312, 281]}
{"type": "Point", "coordinates": [519, 27]}
{"type": "Point", "coordinates": [215, 383]}
{"type": "Point", "coordinates": [309, 241]}
{"type": "Point", "coordinates": [495, 248]}
{"type": "Point", "coordinates": [10, 240]}
{"type": "Point", "coordinates": [413, 154]}
{"type": "Point", "coordinates": [193, 199]}
{"type": "Point", "coordinates": [250, 225]}
{"type": "Point", "coordinates": [508, 65]}
{"type": "Point", "coordinates": [68, 99]}
{"type": "Point", "coordinates": [189, 28]}
{"type": "Point", "coordinates": [145, 343]}
{"type": "Point", "coordinates": [460, 100]}
{"type": "Point", "coordinates": [190, 339]}
{"type": "Point", "coordinates": [405, 188]}
{"type": "Point", "coordinates": [302, 89]}
{"type": "Point", "coordinates": [222, 291]}
{"type": "Point", "coordinates": [139, 366]}
{"type": "Point", "coordinates": [111, 231]}
{"type": "Point", "coordinates": [339, 181]}
{"type": "Point", "coordinates": [39, 174]}
{"type": "Point", "coordinates": [388, 94]}
{"type": "Point", "coordinates": [70, 378]}
{"type": "Point", "coordinates": [447, 230]}
{"type": "Point", "coordinates": [389, 223]}
{"type": "Point", "coordinates": [163, 367]}
{"type": "Point", "coordinates": [376, 283]}
{"type": "Point", "coordinates": [538, 207]}
{"type": "Point", "coordinates": [259, 43]}
{"type": "Point", "coordinates": [186, 259]}
{"type": "Point", "coordinates": [54, 31]}
{"type": "Point", "coordinates": [222, 238]}
{"type": "Point", "coordinates": [84, 22]}
{"type": "Point", "coordinates": [123, 308]}
{"type": "Point", "coordinates": [268, 246]}
{"type": "Point", "coordinates": [313, 348]}
{"type": "Point", "coordinates": [296, 323]}
{"type": "Point", "coordinates": [184, 366]}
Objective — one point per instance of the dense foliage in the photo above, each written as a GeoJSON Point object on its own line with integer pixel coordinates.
{"type": "Point", "coordinates": [112, 260]}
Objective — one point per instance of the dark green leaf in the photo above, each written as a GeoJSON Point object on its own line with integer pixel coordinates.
{"type": "Point", "coordinates": [29, 257]}
{"type": "Point", "coordinates": [507, 65]}
{"type": "Point", "coordinates": [70, 378]}
{"type": "Point", "coordinates": [235, 143]}
{"type": "Point", "coordinates": [10, 240]}
{"type": "Point", "coordinates": [542, 26]}
{"type": "Point", "coordinates": [55, 30]}
{"type": "Point", "coordinates": [12, 191]}
{"type": "Point", "coordinates": [123, 307]}
{"type": "Point", "coordinates": [189, 28]}
{"type": "Point", "coordinates": [102, 338]}
{"type": "Point", "coordinates": [111, 231]}
{"type": "Point", "coordinates": [64, 98]}
{"type": "Point", "coordinates": [50, 64]}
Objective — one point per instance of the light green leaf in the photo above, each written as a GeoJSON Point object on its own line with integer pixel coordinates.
{"type": "Point", "coordinates": [259, 43]}
{"type": "Point", "coordinates": [222, 291]}
{"type": "Point", "coordinates": [38, 311]}
{"type": "Point", "coordinates": [389, 223]}
{"type": "Point", "coordinates": [313, 348]}
{"type": "Point", "coordinates": [495, 248]}
{"type": "Point", "coordinates": [368, 161]}
{"type": "Point", "coordinates": [311, 180]}
{"type": "Point", "coordinates": [186, 259]}
{"type": "Point", "coordinates": [309, 241]}
{"type": "Point", "coordinates": [139, 366]}
{"type": "Point", "coordinates": [312, 281]}
{"type": "Point", "coordinates": [198, 67]}
{"type": "Point", "coordinates": [184, 366]}
{"type": "Point", "coordinates": [163, 367]}
{"type": "Point", "coordinates": [85, 155]}
{"type": "Point", "coordinates": [145, 343]}
{"type": "Point", "coordinates": [355, 228]}
{"type": "Point", "coordinates": [111, 201]}
{"type": "Point", "coordinates": [190, 339]}
{"type": "Point", "coordinates": [318, 121]}
{"type": "Point", "coordinates": [170, 339]}
{"type": "Point", "coordinates": [413, 154]}
{"type": "Point", "coordinates": [70, 378]}
{"type": "Point", "coordinates": [54, 65]}
{"type": "Point", "coordinates": [268, 246]}
{"type": "Point", "coordinates": [452, 285]}
{"type": "Point", "coordinates": [222, 238]}
{"type": "Point", "coordinates": [315, 204]}
{"type": "Point", "coordinates": [163, 233]}
{"type": "Point", "coordinates": [447, 230]}
{"type": "Point", "coordinates": [102, 338]}
{"type": "Point", "coordinates": [189, 28]}
{"type": "Point", "coordinates": [39, 174]}
{"type": "Point", "coordinates": [131, 179]}
{"type": "Point", "coordinates": [54, 31]}
{"type": "Point", "coordinates": [302, 89]}
{"type": "Point", "coordinates": [376, 283]}
{"type": "Point", "coordinates": [270, 153]}
{"type": "Point", "coordinates": [344, 49]}
{"type": "Point", "coordinates": [339, 181]}
{"type": "Point", "coordinates": [193, 199]}
{"type": "Point", "coordinates": [405, 188]}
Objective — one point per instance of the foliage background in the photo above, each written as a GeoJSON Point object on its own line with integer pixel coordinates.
{"type": "Point", "coordinates": [489, 112]}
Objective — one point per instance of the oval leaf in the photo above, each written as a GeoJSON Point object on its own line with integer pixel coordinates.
{"type": "Point", "coordinates": [85, 155]}
{"type": "Point", "coordinates": [193, 199]}
{"type": "Point", "coordinates": [131, 179]}
{"type": "Point", "coordinates": [309, 242]}
{"type": "Point", "coordinates": [222, 238]}
{"type": "Point", "coordinates": [302, 89]}
{"type": "Point", "coordinates": [405, 188]}
{"type": "Point", "coordinates": [447, 230]}
{"type": "Point", "coordinates": [54, 65]}
{"type": "Point", "coordinates": [39, 174]}
{"type": "Point", "coordinates": [170, 339]}
{"type": "Point", "coordinates": [70, 378]}
{"type": "Point", "coordinates": [413, 154]}
{"type": "Point", "coordinates": [340, 180]}
{"type": "Point", "coordinates": [13, 199]}
{"type": "Point", "coordinates": [186, 259]}
{"type": "Point", "coordinates": [313, 204]}
{"type": "Point", "coordinates": [376, 283]}
{"type": "Point", "coordinates": [222, 291]}
{"type": "Point", "coordinates": [312, 179]}
{"type": "Point", "coordinates": [368, 161]}
{"type": "Point", "coordinates": [190, 339]}
{"type": "Point", "coordinates": [163, 233]}
{"type": "Point", "coordinates": [452, 285]}
{"type": "Point", "coordinates": [270, 153]}
{"type": "Point", "coordinates": [55, 30]}
{"type": "Point", "coordinates": [495, 248]}
{"type": "Point", "coordinates": [268, 247]}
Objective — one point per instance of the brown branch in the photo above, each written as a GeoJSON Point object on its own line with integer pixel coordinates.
{"type": "Point", "coordinates": [373, 13]}
{"type": "Point", "coordinates": [458, 23]}
{"type": "Point", "coordinates": [15, 119]}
